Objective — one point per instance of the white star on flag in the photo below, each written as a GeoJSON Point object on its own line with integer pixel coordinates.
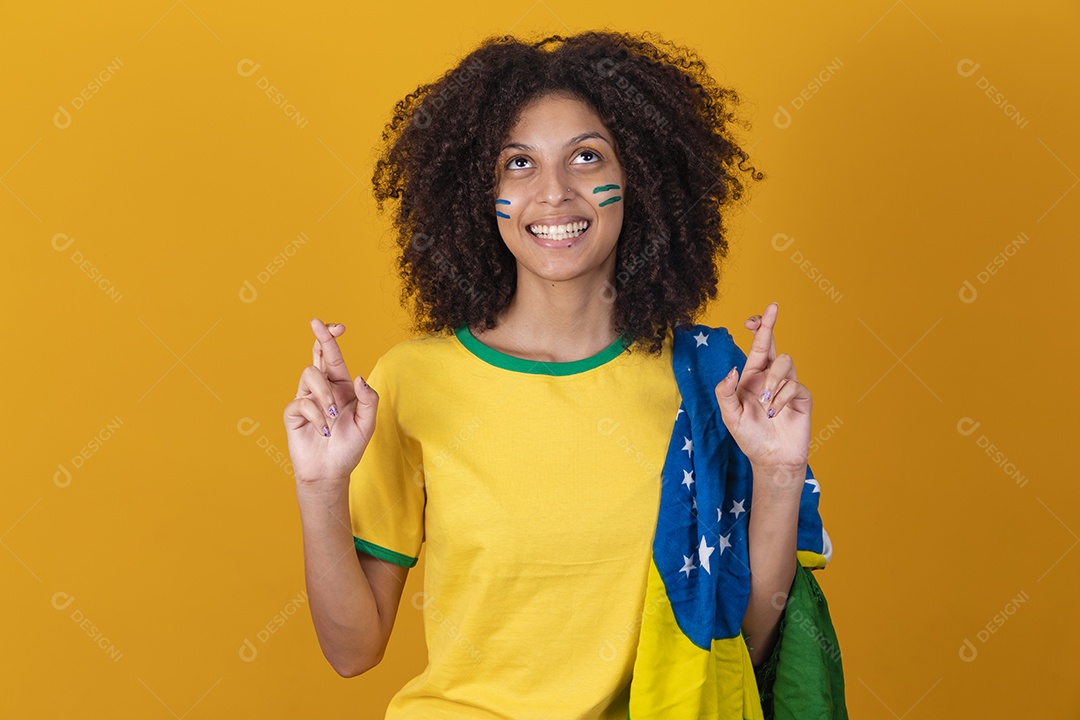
{"type": "Point", "coordinates": [688, 565]}
{"type": "Point", "coordinates": [702, 339]}
{"type": "Point", "coordinates": [815, 483]}
{"type": "Point", "coordinates": [737, 508]}
{"type": "Point", "coordinates": [688, 445]}
{"type": "Point", "coordinates": [704, 551]}
{"type": "Point", "coordinates": [724, 543]}
{"type": "Point", "coordinates": [687, 477]}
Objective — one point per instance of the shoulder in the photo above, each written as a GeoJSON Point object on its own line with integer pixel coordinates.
{"type": "Point", "coordinates": [421, 345]}
{"type": "Point", "coordinates": [411, 358]}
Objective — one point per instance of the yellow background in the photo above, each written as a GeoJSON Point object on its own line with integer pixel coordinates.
{"type": "Point", "coordinates": [179, 181]}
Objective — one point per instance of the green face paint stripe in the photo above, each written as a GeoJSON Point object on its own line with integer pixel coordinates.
{"type": "Point", "coordinates": [604, 188]}
{"type": "Point", "coordinates": [617, 198]}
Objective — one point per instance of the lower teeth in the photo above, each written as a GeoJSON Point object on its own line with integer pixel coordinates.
{"type": "Point", "coordinates": [560, 236]}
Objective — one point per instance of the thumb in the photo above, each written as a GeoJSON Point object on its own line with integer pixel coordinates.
{"type": "Point", "coordinates": [366, 397]}
{"type": "Point", "coordinates": [727, 398]}
{"type": "Point", "coordinates": [367, 404]}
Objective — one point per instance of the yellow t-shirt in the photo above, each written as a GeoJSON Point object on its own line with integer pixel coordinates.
{"type": "Point", "coordinates": [536, 488]}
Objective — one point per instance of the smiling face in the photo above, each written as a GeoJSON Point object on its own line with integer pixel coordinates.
{"type": "Point", "coordinates": [560, 188]}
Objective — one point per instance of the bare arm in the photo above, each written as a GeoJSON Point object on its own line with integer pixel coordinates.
{"type": "Point", "coordinates": [773, 540]}
{"type": "Point", "coordinates": [353, 596]}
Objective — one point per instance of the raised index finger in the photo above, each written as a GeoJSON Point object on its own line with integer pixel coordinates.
{"type": "Point", "coordinates": [758, 358]}
{"type": "Point", "coordinates": [333, 363]}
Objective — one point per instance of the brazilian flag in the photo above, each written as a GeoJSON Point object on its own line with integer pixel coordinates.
{"type": "Point", "coordinates": [692, 660]}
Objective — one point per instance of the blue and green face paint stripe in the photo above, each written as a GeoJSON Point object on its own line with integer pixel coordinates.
{"type": "Point", "coordinates": [500, 201]}
{"type": "Point", "coordinates": [606, 188]}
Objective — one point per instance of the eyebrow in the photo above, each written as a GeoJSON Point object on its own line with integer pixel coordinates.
{"type": "Point", "coordinates": [572, 141]}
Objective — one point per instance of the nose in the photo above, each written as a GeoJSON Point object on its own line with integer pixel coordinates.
{"type": "Point", "coordinates": [554, 185]}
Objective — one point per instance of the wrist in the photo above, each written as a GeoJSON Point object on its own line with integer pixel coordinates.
{"type": "Point", "coordinates": [322, 490]}
{"type": "Point", "coordinates": [779, 480]}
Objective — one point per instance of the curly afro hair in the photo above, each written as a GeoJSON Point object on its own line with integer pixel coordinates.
{"type": "Point", "coordinates": [671, 124]}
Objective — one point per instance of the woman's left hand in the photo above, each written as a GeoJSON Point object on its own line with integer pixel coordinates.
{"type": "Point", "coordinates": [773, 433]}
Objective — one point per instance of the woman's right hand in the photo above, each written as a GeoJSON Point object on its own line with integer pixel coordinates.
{"type": "Point", "coordinates": [321, 461]}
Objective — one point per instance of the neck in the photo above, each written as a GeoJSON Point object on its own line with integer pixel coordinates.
{"type": "Point", "coordinates": [557, 321]}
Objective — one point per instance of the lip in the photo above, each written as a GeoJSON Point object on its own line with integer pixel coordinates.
{"type": "Point", "coordinates": [560, 220]}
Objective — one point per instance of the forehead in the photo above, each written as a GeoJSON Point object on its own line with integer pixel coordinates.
{"type": "Point", "coordinates": [554, 118]}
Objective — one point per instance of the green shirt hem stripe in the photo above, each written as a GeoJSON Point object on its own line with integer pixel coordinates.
{"type": "Point", "coordinates": [383, 553]}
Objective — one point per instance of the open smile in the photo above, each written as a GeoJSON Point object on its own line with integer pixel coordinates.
{"type": "Point", "coordinates": [558, 235]}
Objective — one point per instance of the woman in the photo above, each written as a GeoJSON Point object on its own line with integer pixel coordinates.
{"type": "Point", "coordinates": [559, 216]}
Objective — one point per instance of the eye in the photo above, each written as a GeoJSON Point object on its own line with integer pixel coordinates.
{"type": "Point", "coordinates": [510, 163]}
{"type": "Point", "coordinates": [590, 153]}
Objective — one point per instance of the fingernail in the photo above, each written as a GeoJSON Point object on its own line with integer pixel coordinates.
{"type": "Point", "coordinates": [326, 431]}
{"type": "Point", "coordinates": [333, 411]}
{"type": "Point", "coordinates": [765, 395]}
{"type": "Point", "coordinates": [772, 411]}
{"type": "Point", "coordinates": [731, 373]}
{"type": "Point", "coordinates": [363, 382]}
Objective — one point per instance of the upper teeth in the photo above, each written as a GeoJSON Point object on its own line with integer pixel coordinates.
{"type": "Point", "coordinates": [558, 229]}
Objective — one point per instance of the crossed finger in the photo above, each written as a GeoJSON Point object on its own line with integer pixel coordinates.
{"type": "Point", "coordinates": [781, 383]}
{"type": "Point", "coordinates": [788, 391]}
{"type": "Point", "coordinates": [763, 349]}
{"type": "Point", "coordinates": [325, 348]}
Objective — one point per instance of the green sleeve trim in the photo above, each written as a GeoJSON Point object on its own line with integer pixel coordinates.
{"type": "Point", "coordinates": [384, 554]}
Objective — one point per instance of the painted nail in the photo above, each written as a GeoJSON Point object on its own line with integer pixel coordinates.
{"type": "Point", "coordinates": [765, 395]}
{"type": "Point", "coordinates": [333, 411]}
{"type": "Point", "coordinates": [772, 411]}
{"type": "Point", "coordinates": [326, 431]}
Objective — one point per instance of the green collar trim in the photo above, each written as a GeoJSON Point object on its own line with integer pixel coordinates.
{"type": "Point", "coordinates": [538, 367]}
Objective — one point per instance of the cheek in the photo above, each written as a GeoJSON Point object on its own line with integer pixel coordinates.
{"type": "Point", "coordinates": [609, 194]}
{"type": "Point", "coordinates": [611, 222]}
{"type": "Point", "coordinates": [503, 207]}
{"type": "Point", "coordinates": [508, 203]}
